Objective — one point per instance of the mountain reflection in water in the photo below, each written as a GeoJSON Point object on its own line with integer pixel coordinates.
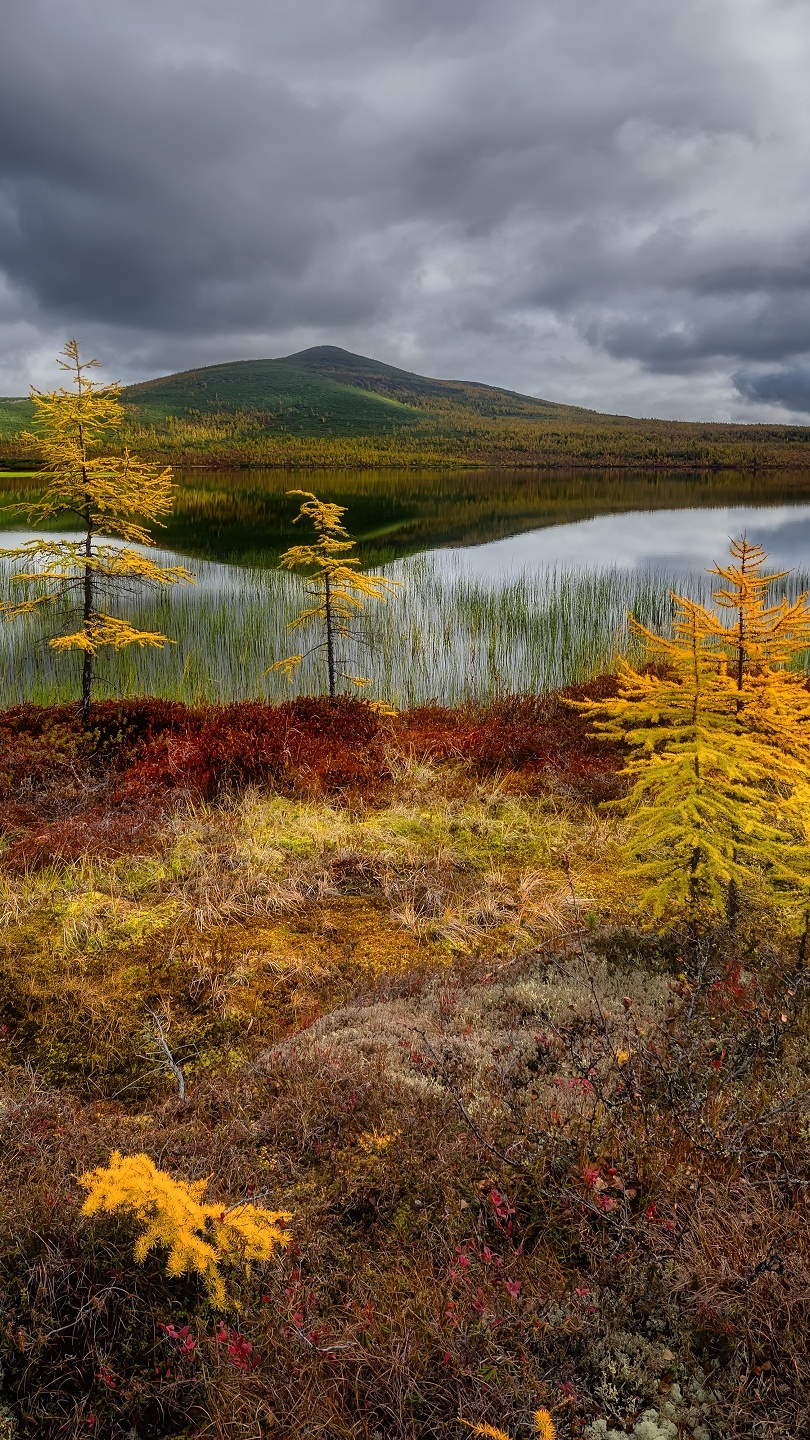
{"type": "Point", "coordinates": [681, 540]}
{"type": "Point", "coordinates": [245, 516]}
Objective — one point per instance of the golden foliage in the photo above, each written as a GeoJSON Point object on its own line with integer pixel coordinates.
{"type": "Point", "coordinates": [336, 585]}
{"type": "Point", "coordinates": [375, 1142]}
{"type": "Point", "coordinates": [109, 630]}
{"type": "Point", "coordinates": [198, 1237]}
{"type": "Point", "coordinates": [103, 493]}
{"type": "Point", "coordinates": [719, 733]}
{"type": "Point", "coordinates": [759, 634]}
{"type": "Point", "coordinates": [70, 426]}
{"type": "Point", "coordinates": [544, 1427]}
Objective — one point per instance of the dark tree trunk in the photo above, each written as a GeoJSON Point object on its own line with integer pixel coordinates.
{"type": "Point", "coordinates": [732, 903]}
{"type": "Point", "coordinates": [87, 611]}
{"type": "Point", "coordinates": [330, 639]}
{"type": "Point", "coordinates": [802, 956]}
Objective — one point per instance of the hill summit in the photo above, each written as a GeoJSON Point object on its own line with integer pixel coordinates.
{"type": "Point", "coordinates": [325, 387]}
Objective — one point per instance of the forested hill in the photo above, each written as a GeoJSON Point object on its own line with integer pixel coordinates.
{"type": "Point", "coordinates": [325, 386]}
{"type": "Point", "coordinates": [326, 406]}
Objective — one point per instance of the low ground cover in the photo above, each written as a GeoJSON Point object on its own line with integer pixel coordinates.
{"type": "Point", "coordinates": [534, 1155]}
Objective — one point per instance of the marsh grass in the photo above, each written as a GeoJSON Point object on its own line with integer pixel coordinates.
{"type": "Point", "coordinates": [267, 905]}
{"type": "Point", "coordinates": [444, 636]}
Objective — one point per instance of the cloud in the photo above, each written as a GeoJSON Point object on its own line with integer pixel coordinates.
{"type": "Point", "coordinates": [604, 204]}
{"type": "Point", "coordinates": [788, 387]}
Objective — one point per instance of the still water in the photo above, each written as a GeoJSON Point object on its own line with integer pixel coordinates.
{"type": "Point", "coordinates": [243, 516]}
{"type": "Point", "coordinates": [677, 540]}
{"type": "Point", "coordinates": [508, 582]}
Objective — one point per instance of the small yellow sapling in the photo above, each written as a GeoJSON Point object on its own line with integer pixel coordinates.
{"type": "Point", "coordinates": [102, 493]}
{"type": "Point", "coordinates": [335, 585]}
{"type": "Point", "coordinates": [718, 727]}
{"type": "Point", "coordinates": [198, 1237]}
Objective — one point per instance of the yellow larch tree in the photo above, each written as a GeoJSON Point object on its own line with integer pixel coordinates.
{"type": "Point", "coordinates": [758, 635]}
{"type": "Point", "coordinates": [719, 732]}
{"type": "Point", "coordinates": [761, 641]}
{"type": "Point", "coordinates": [199, 1237]}
{"type": "Point", "coordinates": [336, 587]}
{"type": "Point", "coordinates": [106, 493]}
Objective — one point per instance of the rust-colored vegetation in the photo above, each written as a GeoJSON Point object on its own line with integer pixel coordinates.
{"type": "Point", "coordinates": [67, 792]}
{"type": "Point", "coordinates": [538, 1159]}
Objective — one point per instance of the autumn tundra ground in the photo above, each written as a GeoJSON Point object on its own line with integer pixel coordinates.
{"type": "Point", "coordinates": [536, 1155]}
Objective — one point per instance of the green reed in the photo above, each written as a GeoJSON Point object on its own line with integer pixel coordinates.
{"type": "Point", "coordinates": [444, 636]}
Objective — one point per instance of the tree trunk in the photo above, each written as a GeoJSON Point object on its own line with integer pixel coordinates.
{"type": "Point", "coordinates": [740, 650]}
{"type": "Point", "coordinates": [732, 903]}
{"type": "Point", "coordinates": [330, 638]}
{"type": "Point", "coordinates": [87, 607]}
{"type": "Point", "coordinates": [87, 611]}
{"type": "Point", "coordinates": [802, 956]}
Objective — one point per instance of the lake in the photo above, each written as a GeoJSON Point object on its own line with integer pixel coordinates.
{"type": "Point", "coordinates": [510, 581]}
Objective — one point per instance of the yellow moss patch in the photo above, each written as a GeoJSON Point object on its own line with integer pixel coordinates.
{"type": "Point", "coordinates": [264, 912]}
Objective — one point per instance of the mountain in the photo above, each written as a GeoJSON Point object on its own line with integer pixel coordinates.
{"type": "Point", "coordinates": [326, 406]}
{"type": "Point", "coordinates": [324, 388]}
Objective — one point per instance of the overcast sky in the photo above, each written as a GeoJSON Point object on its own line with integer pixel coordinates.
{"type": "Point", "coordinates": [605, 202]}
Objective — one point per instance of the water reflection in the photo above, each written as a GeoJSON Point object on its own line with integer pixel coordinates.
{"type": "Point", "coordinates": [660, 540]}
{"type": "Point", "coordinates": [245, 516]}
{"type": "Point", "coordinates": [681, 540]}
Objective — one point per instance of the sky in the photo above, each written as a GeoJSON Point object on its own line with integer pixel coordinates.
{"type": "Point", "coordinates": [605, 204]}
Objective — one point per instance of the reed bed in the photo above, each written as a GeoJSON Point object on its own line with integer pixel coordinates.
{"type": "Point", "coordinates": [445, 636]}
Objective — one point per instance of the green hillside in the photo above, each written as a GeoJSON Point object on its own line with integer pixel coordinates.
{"type": "Point", "coordinates": [325, 389]}
{"type": "Point", "coordinates": [14, 415]}
{"type": "Point", "coordinates": [296, 394]}
{"type": "Point", "coordinates": [325, 406]}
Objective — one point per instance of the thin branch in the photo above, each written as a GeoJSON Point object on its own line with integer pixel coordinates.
{"type": "Point", "coordinates": [163, 1046]}
{"type": "Point", "coordinates": [464, 1112]}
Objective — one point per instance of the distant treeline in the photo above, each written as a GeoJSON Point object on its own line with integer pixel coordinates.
{"type": "Point", "coordinates": [250, 438]}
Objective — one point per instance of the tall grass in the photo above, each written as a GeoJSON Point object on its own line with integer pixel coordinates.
{"type": "Point", "coordinates": [444, 636]}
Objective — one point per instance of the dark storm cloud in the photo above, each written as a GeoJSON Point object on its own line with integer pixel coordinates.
{"type": "Point", "coordinates": [788, 387]}
{"type": "Point", "coordinates": [605, 203]}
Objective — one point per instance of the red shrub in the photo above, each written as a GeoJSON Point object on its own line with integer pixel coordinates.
{"type": "Point", "coordinates": [531, 734]}
{"type": "Point", "coordinates": [66, 791]}
{"type": "Point", "coordinates": [306, 743]}
{"type": "Point", "coordinates": [100, 830]}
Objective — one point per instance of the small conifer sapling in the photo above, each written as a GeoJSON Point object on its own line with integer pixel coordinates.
{"type": "Point", "coordinates": [104, 493]}
{"type": "Point", "coordinates": [544, 1427]}
{"type": "Point", "coordinates": [199, 1237]}
{"type": "Point", "coordinates": [335, 586]}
